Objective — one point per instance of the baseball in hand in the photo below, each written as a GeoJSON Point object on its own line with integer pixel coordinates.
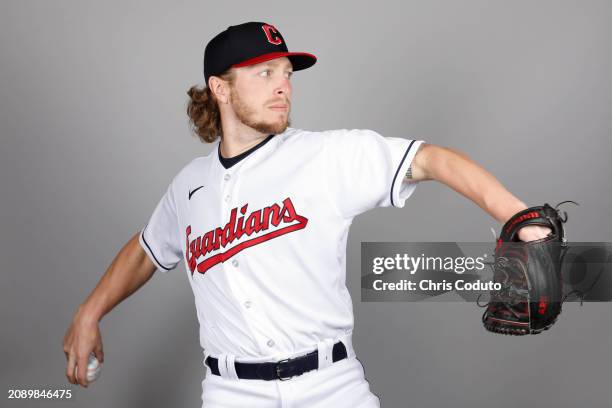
{"type": "Point", "coordinates": [93, 368]}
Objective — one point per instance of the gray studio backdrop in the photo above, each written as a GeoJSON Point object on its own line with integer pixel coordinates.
{"type": "Point", "coordinates": [93, 129]}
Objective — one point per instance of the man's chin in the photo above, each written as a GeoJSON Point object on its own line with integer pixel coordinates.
{"type": "Point", "coordinates": [271, 128]}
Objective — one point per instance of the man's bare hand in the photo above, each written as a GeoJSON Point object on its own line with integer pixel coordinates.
{"type": "Point", "coordinates": [82, 338]}
{"type": "Point", "coordinates": [533, 232]}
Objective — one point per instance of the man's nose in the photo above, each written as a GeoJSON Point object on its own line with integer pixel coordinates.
{"type": "Point", "coordinates": [284, 87]}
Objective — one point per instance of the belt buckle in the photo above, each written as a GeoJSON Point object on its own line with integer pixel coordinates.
{"type": "Point", "coordinates": [277, 370]}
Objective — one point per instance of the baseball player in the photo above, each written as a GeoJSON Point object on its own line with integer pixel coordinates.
{"type": "Point", "coordinates": [261, 224]}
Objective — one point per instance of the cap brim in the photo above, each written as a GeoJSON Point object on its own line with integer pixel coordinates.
{"type": "Point", "coordinates": [299, 60]}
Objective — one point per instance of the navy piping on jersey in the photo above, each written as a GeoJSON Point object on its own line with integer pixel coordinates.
{"type": "Point", "coordinates": [230, 161]}
{"type": "Point", "coordinates": [397, 171]}
{"type": "Point", "coordinates": [151, 251]}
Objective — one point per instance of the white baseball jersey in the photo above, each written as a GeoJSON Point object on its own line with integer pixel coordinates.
{"type": "Point", "coordinates": [264, 241]}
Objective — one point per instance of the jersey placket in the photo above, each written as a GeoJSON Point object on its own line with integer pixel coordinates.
{"type": "Point", "coordinates": [236, 267]}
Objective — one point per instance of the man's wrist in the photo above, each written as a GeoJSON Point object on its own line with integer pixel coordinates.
{"type": "Point", "coordinates": [506, 211]}
{"type": "Point", "coordinates": [88, 314]}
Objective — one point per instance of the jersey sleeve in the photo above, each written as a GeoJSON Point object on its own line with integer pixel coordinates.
{"type": "Point", "coordinates": [367, 170]}
{"type": "Point", "coordinates": [160, 237]}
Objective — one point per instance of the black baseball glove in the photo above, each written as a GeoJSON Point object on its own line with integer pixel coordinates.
{"type": "Point", "coordinates": [529, 274]}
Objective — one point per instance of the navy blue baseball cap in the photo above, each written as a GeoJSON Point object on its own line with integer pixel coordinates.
{"type": "Point", "coordinates": [248, 44]}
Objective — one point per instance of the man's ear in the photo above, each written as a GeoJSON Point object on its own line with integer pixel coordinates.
{"type": "Point", "coordinates": [219, 88]}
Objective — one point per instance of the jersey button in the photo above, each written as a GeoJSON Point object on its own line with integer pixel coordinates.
{"type": "Point", "coordinates": [227, 177]}
{"type": "Point", "coordinates": [227, 198]}
{"type": "Point", "coordinates": [248, 304]}
{"type": "Point", "coordinates": [270, 343]}
{"type": "Point", "coordinates": [235, 262]}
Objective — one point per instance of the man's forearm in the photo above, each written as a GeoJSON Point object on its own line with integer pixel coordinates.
{"type": "Point", "coordinates": [463, 175]}
{"type": "Point", "coordinates": [130, 269]}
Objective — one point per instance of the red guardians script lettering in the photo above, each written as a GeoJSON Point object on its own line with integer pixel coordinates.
{"type": "Point", "coordinates": [261, 225]}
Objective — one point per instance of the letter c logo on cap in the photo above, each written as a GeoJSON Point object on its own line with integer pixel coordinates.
{"type": "Point", "coordinates": [268, 29]}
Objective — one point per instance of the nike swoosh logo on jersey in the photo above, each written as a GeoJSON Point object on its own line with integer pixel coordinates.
{"type": "Point", "coordinates": [193, 191]}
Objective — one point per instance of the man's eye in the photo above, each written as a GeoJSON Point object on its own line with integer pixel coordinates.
{"type": "Point", "coordinates": [289, 74]}
{"type": "Point", "coordinates": [265, 73]}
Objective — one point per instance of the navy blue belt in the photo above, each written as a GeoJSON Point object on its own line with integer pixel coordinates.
{"type": "Point", "coordinates": [281, 370]}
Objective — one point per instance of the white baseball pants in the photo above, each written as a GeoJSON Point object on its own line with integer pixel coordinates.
{"type": "Point", "coordinates": [336, 385]}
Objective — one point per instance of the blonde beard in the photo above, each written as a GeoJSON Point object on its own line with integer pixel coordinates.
{"type": "Point", "coordinates": [245, 115]}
